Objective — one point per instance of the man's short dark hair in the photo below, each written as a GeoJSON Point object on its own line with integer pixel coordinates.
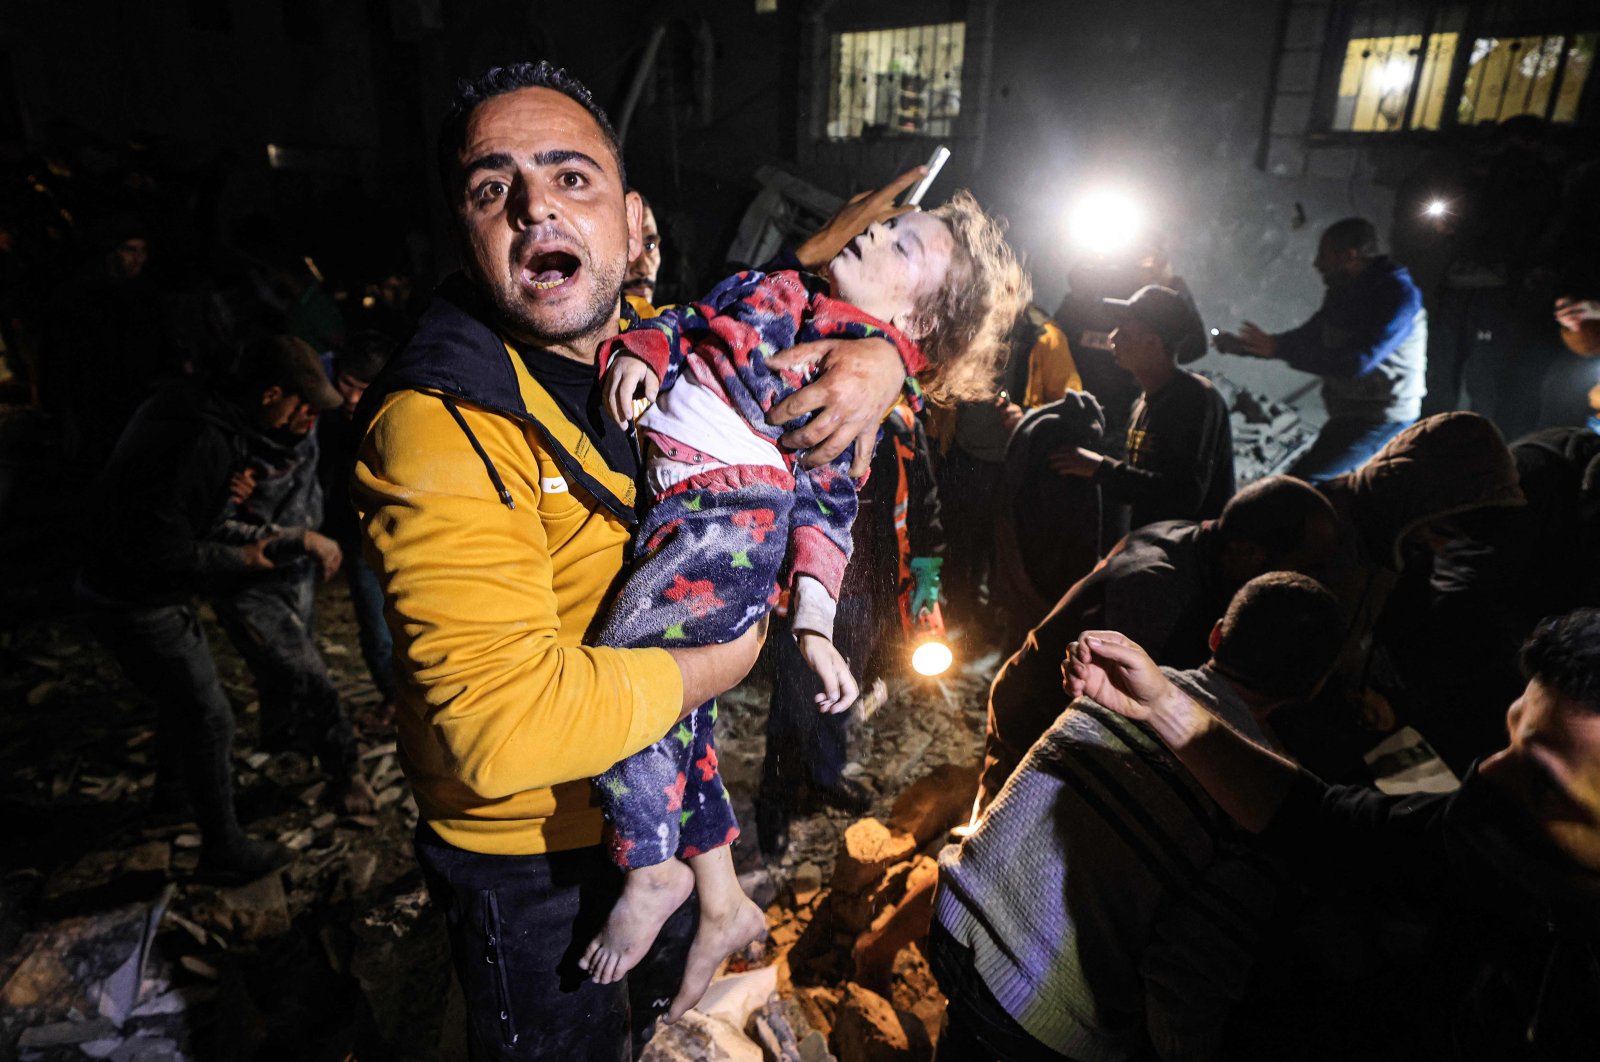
{"type": "Point", "coordinates": [1273, 513]}
{"type": "Point", "coordinates": [1352, 234]}
{"type": "Point", "coordinates": [1563, 652]}
{"type": "Point", "coordinates": [1280, 635]}
{"type": "Point", "coordinates": [498, 81]}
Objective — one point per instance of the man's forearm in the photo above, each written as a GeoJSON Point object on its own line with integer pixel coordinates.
{"type": "Point", "coordinates": [1249, 782]}
{"type": "Point", "coordinates": [712, 670]}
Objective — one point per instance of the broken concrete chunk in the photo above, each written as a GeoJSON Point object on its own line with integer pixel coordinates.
{"type": "Point", "coordinates": [257, 910]}
{"type": "Point", "coordinates": [869, 1029]}
{"type": "Point", "coordinates": [934, 803]}
{"type": "Point", "coordinates": [869, 848]}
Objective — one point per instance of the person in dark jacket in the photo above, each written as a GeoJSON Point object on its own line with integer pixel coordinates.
{"type": "Point", "coordinates": [1180, 444]}
{"type": "Point", "coordinates": [354, 367]}
{"type": "Point", "coordinates": [1166, 584]}
{"type": "Point", "coordinates": [1047, 528]}
{"type": "Point", "coordinates": [1503, 874]}
{"type": "Point", "coordinates": [172, 530]}
{"type": "Point", "coordinates": [807, 749]}
{"type": "Point", "coordinates": [1368, 342]}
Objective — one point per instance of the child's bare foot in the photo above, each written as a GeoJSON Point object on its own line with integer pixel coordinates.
{"type": "Point", "coordinates": [720, 934]}
{"type": "Point", "coordinates": [649, 896]}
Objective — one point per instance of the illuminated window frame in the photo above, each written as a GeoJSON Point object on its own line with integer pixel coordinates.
{"type": "Point", "coordinates": [1466, 75]}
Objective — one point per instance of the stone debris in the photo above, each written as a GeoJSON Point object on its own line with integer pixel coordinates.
{"type": "Point", "coordinates": [342, 944]}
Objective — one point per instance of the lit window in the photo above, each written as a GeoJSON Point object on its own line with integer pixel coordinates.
{"type": "Point", "coordinates": [899, 82]}
{"type": "Point", "coordinates": [1508, 76]}
{"type": "Point", "coordinates": [1376, 80]}
{"type": "Point", "coordinates": [766, 7]}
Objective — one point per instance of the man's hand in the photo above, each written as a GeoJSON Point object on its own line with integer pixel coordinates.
{"type": "Point", "coordinates": [863, 209]}
{"type": "Point", "coordinates": [1571, 313]}
{"type": "Point", "coordinates": [1075, 461]}
{"type": "Point", "coordinates": [1111, 670]}
{"type": "Point", "coordinates": [1228, 343]}
{"type": "Point", "coordinates": [325, 551]}
{"type": "Point", "coordinates": [839, 688]}
{"type": "Point", "coordinates": [1256, 343]}
{"type": "Point", "coordinates": [255, 554]}
{"type": "Point", "coordinates": [241, 485]}
{"type": "Point", "coordinates": [861, 378]}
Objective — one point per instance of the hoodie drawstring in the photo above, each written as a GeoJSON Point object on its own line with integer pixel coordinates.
{"type": "Point", "coordinates": [494, 474]}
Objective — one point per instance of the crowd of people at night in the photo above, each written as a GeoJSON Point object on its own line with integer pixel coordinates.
{"type": "Point", "coordinates": [569, 514]}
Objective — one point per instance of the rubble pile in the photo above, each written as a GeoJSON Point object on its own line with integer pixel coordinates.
{"type": "Point", "coordinates": [1268, 434]}
{"type": "Point", "coordinates": [110, 948]}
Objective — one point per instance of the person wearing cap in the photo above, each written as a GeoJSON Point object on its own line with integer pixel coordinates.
{"type": "Point", "coordinates": [1180, 445]}
{"type": "Point", "coordinates": [211, 492]}
{"type": "Point", "coordinates": [1368, 342]}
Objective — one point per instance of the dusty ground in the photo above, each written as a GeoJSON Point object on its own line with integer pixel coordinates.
{"type": "Point", "coordinates": [340, 960]}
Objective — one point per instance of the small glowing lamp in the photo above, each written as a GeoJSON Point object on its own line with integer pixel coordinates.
{"type": "Point", "coordinates": [932, 657]}
{"type": "Point", "coordinates": [1436, 208]}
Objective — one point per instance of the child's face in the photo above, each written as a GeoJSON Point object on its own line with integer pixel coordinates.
{"type": "Point", "coordinates": [889, 269]}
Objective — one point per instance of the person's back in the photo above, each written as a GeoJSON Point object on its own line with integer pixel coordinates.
{"type": "Point", "coordinates": [1168, 581]}
{"type": "Point", "coordinates": [1102, 899]}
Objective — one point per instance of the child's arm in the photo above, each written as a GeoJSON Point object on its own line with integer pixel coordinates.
{"type": "Point", "coordinates": [661, 343]}
{"type": "Point", "coordinates": [839, 688]}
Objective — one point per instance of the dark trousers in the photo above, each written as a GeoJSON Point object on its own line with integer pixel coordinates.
{"type": "Point", "coordinates": [805, 745]}
{"type": "Point", "coordinates": [270, 620]}
{"type": "Point", "coordinates": [970, 493]}
{"type": "Point", "coordinates": [518, 925]}
{"type": "Point", "coordinates": [1343, 445]}
{"type": "Point", "coordinates": [977, 1028]}
{"type": "Point", "coordinates": [163, 651]}
{"type": "Point", "coordinates": [366, 597]}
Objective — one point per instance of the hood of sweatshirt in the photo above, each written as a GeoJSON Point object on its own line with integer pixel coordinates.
{"type": "Point", "coordinates": [1441, 465]}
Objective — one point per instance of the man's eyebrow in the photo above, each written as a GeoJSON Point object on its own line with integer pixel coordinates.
{"type": "Point", "coordinates": [502, 160]}
{"type": "Point", "coordinates": [495, 160]}
{"type": "Point", "coordinates": [560, 155]}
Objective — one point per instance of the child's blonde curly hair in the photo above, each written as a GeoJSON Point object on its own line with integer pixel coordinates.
{"type": "Point", "coordinates": [964, 326]}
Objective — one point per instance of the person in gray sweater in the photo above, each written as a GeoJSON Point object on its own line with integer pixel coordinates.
{"type": "Point", "coordinates": [1105, 908]}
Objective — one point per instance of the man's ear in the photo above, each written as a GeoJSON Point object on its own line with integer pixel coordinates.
{"type": "Point", "coordinates": [272, 394]}
{"type": "Point", "coordinates": [633, 203]}
{"type": "Point", "coordinates": [1215, 638]}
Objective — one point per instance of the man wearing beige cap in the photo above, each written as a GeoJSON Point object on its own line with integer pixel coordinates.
{"type": "Point", "coordinates": [171, 530]}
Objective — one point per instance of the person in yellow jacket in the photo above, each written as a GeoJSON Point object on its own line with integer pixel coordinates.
{"type": "Point", "coordinates": [497, 505]}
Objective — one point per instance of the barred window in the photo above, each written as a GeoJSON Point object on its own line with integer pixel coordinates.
{"type": "Point", "coordinates": [1508, 76]}
{"type": "Point", "coordinates": [896, 82]}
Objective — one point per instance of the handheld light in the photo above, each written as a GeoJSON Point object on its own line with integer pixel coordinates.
{"type": "Point", "coordinates": [1106, 222]}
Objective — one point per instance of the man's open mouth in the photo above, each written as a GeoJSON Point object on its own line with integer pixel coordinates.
{"type": "Point", "coordinates": [549, 269]}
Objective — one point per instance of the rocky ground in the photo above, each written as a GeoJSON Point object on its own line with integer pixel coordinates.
{"type": "Point", "coordinates": [109, 948]}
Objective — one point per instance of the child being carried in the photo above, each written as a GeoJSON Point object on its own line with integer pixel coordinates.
{"type": "Point", "coordinates": [733, 514]}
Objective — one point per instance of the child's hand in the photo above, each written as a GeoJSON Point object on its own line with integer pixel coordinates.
{"type": "Point", "coordinates": [624, 380]}
{"type": "Point", "coordinates": [838, 685]}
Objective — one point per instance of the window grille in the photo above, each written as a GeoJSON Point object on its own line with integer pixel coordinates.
{"type": "Point", "coordinates": [896, 82]}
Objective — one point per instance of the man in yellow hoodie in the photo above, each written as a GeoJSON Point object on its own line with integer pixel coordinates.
{"type": "Point", "coordinates": [497, 502]}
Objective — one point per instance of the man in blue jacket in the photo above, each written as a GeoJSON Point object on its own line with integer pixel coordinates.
{"type": "Point", "coordinates": [1368, 342]}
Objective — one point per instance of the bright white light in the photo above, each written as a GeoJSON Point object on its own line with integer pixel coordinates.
{"type": "Point", "coordinates": [1105, 222]}
{"type": "Point", "coordinates": [1436, 209]}
{"type": "Point", "coordinates": [932, 658]}
{"type": "Point", "coordinates": [1395, 75]}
